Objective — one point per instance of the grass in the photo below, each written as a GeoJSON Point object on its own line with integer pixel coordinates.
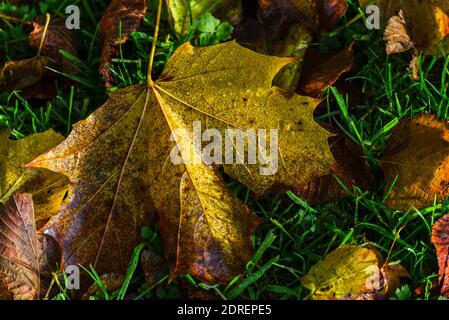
{"type": "Point", "coordinates": [295, 235]}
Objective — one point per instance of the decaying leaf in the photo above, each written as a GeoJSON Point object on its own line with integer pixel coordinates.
{"type": "Point", "coordinates": [19, 258]}
{"type": "Point", "coordinates": [428, 21]}
{"type": "Point", "coordinates": [350, 168]}
{"type": "Point", "coordinates": [399, 39]}
{"type": "Point", "coordinates": [118, 162]}
{"type": "Point", "coordinates": [57, 38]}
{"type": "Point", "coordinates": [20, 74]}
{"type": "Point", "coordinates": [111, 282]}
{"type": "Point", "coordinates": [397, 35]}
{"type": "Point", "coordinates": [417, 157]}
{"type": "Point", "coordinates": [154, 267]}
{"type": "Point", "coordinates": [121, 18]}
{"type": "Point", "coordinates": [440, 239]}
{"type": "Point", "coordinates": [184, 12]}
{"type": "Point", "coordinates": [48, 188]}
{"type": "Point", "coordinates": [290, 26]}
{"type": "Point", "coordinates": [23, 257]}
{"type": "Point", "coordinates": [353, 273]}
{"type": "Point", "coordinates": [286, 28]}
{"type": "Point", "coordinates": [321, 71]}
{"type": "Point", "coordinates": [330, 12]}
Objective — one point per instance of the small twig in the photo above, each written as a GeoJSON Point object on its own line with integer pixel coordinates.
{"type": "Point", "coordinates": [153, 47]}
{"type": "Point", "coordinates": [44, 33]}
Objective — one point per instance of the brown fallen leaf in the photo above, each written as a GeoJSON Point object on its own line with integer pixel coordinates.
{"type": "Point", "coordinates": [440, 239]}
{"type": "Point", "coordinates": [22, 259]}
{"type": "Point", "coordinates": [33, 76]}
{"type": "Point", "coordinates": [251, 34]}
{"type": "Point", "coordinates": [321, 71]}
{"type": "Point", "coordinates": [353, 273]}
{"type": "Point", "coordinates": [121, 18]}
{"type": "Point", "coordinates": [350, 168]}
{"type": "Point", "coordinates": [286, 28]}
{"type": "Point", "coordinates": [398, 35]}
{"type": "Point", "coordinates": [57, 38]}
{"type": "Point", "coordinates": [20, 74]}
{"type": "Point", "coordinates": [49, 263]}
{"type": "Point", "coordinates": [111, 282]}
{"type": "Point", "coordinates": [290, 26]}
{"type": "Point", "coordinates": [330, 12]}
{"type": "Point", "coordinates": [43, 90]}
{"type": "Point", "coordinates": [399, 39]}
{"type": "Point", "coordinates": [154, 267]}
{"type": "Point", "coordinates": [118, 163]}
{"type": "Point", "coordinates": [417, 155]}
{"type": "Point", "coordinates": [422, 290]}
{"type": "Point", "coordinates": [48, 188]}
{"type": "Point", "coordinates": [427, 21]}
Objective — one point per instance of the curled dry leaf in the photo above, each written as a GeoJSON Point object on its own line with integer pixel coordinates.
{"type": "Point", "coordinates": [399, 39]}
{"type": "Point", "coordinates": [440, 239]}
{"type": "Point", "coordinates": [57, 38]}
{"type": "Point", "coordinates": [398, 35]}
{"type": "Point", "coordinates": [21, 74]}
{"type": "Point", "coordinates": [24, 259]}
{"type": "Point", "coordinates": [353, 273]}
{"type": "Point", "coordinates": [48, 188]}
{"type": "Point", "coordinates": [118, 162]}
{"type": "Point", "coordinates": [417, 158]}
{"type": "Point", "coordinates": [121, 18]}
{"type": "Point", "coordinates": [427, 21]}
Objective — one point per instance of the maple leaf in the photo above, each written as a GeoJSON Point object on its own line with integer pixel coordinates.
{"type": "Point", "coordinates": [118, 162]}
{"type": "Point", "coordinates": [353, 273]}
{"type": "Point", "coordinates": [121, 18]}
{"type": "Point", "coordinates": [416, 160]}
{"type": "Point", "coordinates": [48, 188]}
{"type": "Point", "coordinates": [24, 258]}
{"type": "Point", "coordinates": [440, 236]}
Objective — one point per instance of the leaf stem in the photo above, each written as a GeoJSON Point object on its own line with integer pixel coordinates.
{"type": "Point", "coordinates": [338, 30]}
{"type": "Point", "coordinates": [153, 47]}
{"type": "Point", "coordinates": [44, 33]}
{"type": "Point", "coordinates": [14, 19]}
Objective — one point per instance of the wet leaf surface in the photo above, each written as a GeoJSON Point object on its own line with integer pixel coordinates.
{"type": "Point", "coordinates": [118, 162]}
